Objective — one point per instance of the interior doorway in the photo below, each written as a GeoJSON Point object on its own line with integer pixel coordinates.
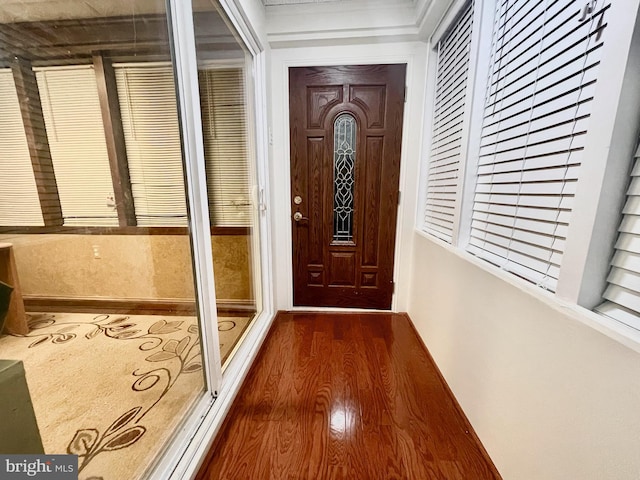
{"type": "Point", "coordinates": [346, 133]}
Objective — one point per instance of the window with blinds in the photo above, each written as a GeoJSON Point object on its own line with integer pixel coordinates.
{"type": "Point", "coordinates": [75, 131]}
{"type": "Point", "coordinates": [544, 66]}
{"type": "Point", "coordinates": [447, 131]}
{"type": "Point", "coordinates": [149, 112]}
{"type": "Point", "coordinates": [19, 201]}
{"type": "Point", "coordinates": [152, 136]}
{"type": "Point", "coordinates": [622, 295]}
{"type": "Point", "coordinates": [224, 120]}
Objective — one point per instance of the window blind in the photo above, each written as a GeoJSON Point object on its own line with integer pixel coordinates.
{"type": "Point", "coordinates": [544, 65]}
{"type": "Point", "coordinates": [73, 120]}
{"type": "Point", "coordinates": [19, 201]}
{"type": "Point", "coordinates": [622, 295]}
{"type": "Point", "coordinates": [447, 131]}
{"type": "Point", "coordinates": [224, 120]}
{"type": "Point", "coordinates": [152, 136]}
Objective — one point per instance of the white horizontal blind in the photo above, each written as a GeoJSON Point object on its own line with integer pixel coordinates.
{"type": "Point", "coordinates": [152, 135]}
{"type": "Point", "coordinates": [19, 201]}
{"type": "Point", "coordinates": [448, 127]}
{"type": "Point", "coordinates": [75, 131]}
{"type": "Point", "coordinates": [623, 291]}
{"type": "Point", "coordinates": [224, 121]}
{"type": "Point", "coordinates": [545, 59]}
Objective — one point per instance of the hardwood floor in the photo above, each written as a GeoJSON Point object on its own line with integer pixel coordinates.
{"type": "Point", "coordinates": [348, 396]}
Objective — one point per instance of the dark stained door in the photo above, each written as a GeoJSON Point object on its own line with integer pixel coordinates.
{"type": "Point", "coordinates": [346, 132]}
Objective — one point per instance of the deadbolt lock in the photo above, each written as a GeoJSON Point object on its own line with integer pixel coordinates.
{"type": "Point", "coordinates": [297, 199]}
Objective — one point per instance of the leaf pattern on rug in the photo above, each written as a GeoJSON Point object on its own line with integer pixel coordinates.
{"type": "Point", "coordinates": [88, 442]}
{"type": "Point", "coordinates": [119, 328]}
{"type": "Point", "coordinates": [184, 350]}
{"type": "Point", "coordinates": [171, 350]}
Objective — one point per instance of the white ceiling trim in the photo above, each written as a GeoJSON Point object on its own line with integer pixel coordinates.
{"type": "Point", "coordinates": [338, 22]}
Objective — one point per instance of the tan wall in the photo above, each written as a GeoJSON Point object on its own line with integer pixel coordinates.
{"type": "Point", "coordinates": [131, 266]}
{"type": "Point", "coordinates": [550, 397]}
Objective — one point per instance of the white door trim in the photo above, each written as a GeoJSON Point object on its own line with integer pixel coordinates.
{"type": "Point", "coordinates": [414, 54]}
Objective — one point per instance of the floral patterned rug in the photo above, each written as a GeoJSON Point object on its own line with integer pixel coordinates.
{"type": "Point", "coordinates": [112, 388]}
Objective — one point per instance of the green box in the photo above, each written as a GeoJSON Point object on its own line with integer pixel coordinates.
{"type": "Point", "coordinates": [5, 299]}
{"type": "Point", "coordinates": [19, 432]}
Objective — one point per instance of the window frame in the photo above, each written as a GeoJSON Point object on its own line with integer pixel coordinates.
{"type": "Point", "coordinates": [100, 63]}
{"type": "Point", "coordinates": [621, 291]}
{"type": "Point", "coordinates": [608, 157]}
{"type": "Point", "coordinates": [475, 56]}
{"type": "Point", "coordinates": [529, 267]}
{"type": "Point", "coordinates": [128, 229]}
{"type": "Point", "coordinates": [607, 161]}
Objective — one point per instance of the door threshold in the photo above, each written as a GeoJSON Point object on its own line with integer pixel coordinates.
{"type": "Point", "coordinates": [300, 309]}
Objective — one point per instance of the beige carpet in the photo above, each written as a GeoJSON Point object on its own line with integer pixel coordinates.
{"type": "Point", "coordinates": [112, 388]}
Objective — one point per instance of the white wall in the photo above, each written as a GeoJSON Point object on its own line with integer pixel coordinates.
{"type": "Point", "coordinates": [549, 396]}
{"type": "Point", "coordinates": [341, 23]}
{"type": "Point", "coordinates": [412, 53]}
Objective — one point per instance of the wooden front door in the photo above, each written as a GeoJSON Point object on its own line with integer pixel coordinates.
{"type": "Point", "coordinates": [346, 132]}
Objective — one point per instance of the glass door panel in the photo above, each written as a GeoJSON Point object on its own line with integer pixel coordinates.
{"type": "Point", "coordinates": [225, 84]}
{"type": "Point", "coordinates": [96, 240]}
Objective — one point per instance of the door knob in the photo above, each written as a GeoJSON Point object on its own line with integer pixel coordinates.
{"type": "Point", "coordinates": [298, 216]}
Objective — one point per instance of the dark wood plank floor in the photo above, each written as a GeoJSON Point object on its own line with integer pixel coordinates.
{"type": "Point", "coordinates": [348, 396]}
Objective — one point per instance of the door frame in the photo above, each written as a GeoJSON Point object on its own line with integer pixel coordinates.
{"type": "Point", "coordinates": [358, 272]}
{"type": "Point", "coordinates": [414, 54]}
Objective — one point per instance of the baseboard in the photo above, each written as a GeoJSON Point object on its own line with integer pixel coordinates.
{"type": "Point", "coordinates": [233, 308]}
{"type": "Point", "coordinates": [457, 406]}
{"type": "Point", "coordinates": [133, 306]}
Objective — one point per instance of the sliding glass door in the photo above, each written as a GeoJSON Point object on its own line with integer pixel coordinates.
{"type": "Point", "coordinates": [129, 224]}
